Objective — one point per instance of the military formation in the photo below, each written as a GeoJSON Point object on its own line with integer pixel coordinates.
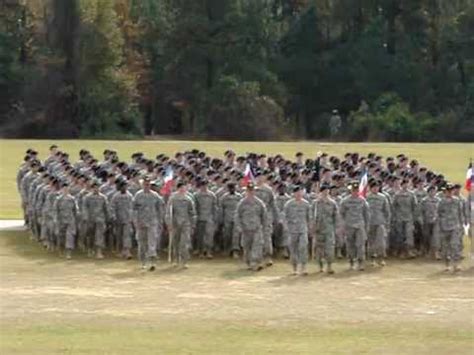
{"type": "Point", "coordinates": [251, 207]}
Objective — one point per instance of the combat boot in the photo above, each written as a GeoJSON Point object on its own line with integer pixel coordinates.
{"type": "Point", "coordinates": [330, 270]}
{"type": "Point", "coordinates": [457, 268]}
{"type": "Point", "coordinates": [321, 266]}
{"type": "Point", "coordinates": [351, 265]}
{"type": "Point", "coordinates": [268, 261]}
{"type": "Point", "coordinates": [295, 270]}
{"type": "Point", "coordinates": [304, 272]}
{"type": "Point", "coordinates": [99, 254]}
{"type": "Point", "coordinates": [152, 264]}
{"type": "Point", "coordinates": [338, 253]}
{"type": "Point", "coordinates": [361, 266]}
{"type": "Point", "coordinates": [235, 254]}
{"type": "Point", "coordinates": [68, 254]}
{"type": "Point", "coordinates": [126, 254]}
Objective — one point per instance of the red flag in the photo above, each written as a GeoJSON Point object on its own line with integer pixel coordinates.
{"type": "Point", "coordinates": [248, 176]}
{"type": "Point", "coordinates": [168, 182]}
{"type": "Point", "coordinates": [363, 185]}
{"type": "Point", "coordinates": [469, 178]}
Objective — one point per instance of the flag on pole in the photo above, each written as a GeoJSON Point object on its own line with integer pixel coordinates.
{"type": "Point", "coordinates": [248, 175]}
{"type": "Point", "coordinates": [469, 177]}
{"type": "Point", "coordinates": [167, 182]}
{"type": "Point", "coordinates": [363, 185]}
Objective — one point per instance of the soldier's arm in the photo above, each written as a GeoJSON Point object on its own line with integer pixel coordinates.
{"type": "Point", "coordinates": [366, 212]}
{"type": "Point", "coordinates": [192, 213]}
{"type": "Point", "coordinates": [237, 222]}
{"type": "Point", "coordinates": [388, 213]}
{"type": "Point", "coordinates": [112, 207]}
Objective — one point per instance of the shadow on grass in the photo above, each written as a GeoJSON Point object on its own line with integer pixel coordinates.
{"type": "Point", "coordinates": [441, 274]}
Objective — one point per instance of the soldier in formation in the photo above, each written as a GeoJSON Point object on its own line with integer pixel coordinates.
{"type": "Point", "coordinates": [239, 206]}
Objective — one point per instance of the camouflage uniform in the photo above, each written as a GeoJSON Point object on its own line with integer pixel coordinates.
{"type": "Point", "coordinates": [95, 214]}
{"type": "Point", "coordinates": [379, 217]}
{"type": "Point", "coordinates": [181, 220]}
{"type": "Point", "coordinates": [148, 215]}
{"type": "Point", "coordinates": [281, 231]}
{"type": "Point", "coordinates": [206, 208]}
{"type": "Point", "coordinates": [121, 207]}
{"type": "Point", "coordinates": [326, 219]}
{"type": "Point", "coordinates": [429, 216]}
{"type": "Point", "coordinates": [227, 207]}
{"type": "Point", "coordinates": [250, 220]}
{"type": "Point", "coordinates": [48, 236]}
{"type": "Point", "coordinates": [450, 218]}
{"type": "Point", "coordinates": [355, 214]}
{"type": "Point", "coordinates": [65, 212]}
{"type": "Point", "coordinates": [405, 209]}
{"type": "Point", "coordinates": [297, 219]}
{"type": "Point", "coordinates": [265, 194]}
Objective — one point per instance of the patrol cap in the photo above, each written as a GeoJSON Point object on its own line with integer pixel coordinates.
{"type": "Point", "coordinates": [324, 186]}
{"type": "Point", "coordinates": [64, 183]}
{"type": "Point", "coordinates": [146, 179]}
{"type": "Point", "coordinates": [54, 146]}
{"type": "Point", "coordinates": [456, 186]}
{"type": "Point", "coordinates": [297, 188]}
{"type": "Point", "coordinates": [180, 184]}
{"type": "Point", "coordinates": [431, 188]}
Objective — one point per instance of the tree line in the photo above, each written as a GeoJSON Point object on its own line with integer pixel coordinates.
{"type": "Point", "coordinates": [397, 70]}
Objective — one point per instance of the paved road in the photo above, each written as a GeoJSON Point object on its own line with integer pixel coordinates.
{"type": "Point", "coordinates": [11, 224]}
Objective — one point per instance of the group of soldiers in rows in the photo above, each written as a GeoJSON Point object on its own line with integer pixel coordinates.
{"type": "Point", "coordinates": [253, 206]}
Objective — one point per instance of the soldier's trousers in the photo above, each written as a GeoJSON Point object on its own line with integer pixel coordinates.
{"type": "Point", "coordinates": [355, 242]}
{"type": "Point", "coordinates": [66, 234]}
{"type": "Point", "coordinates": [450, 243]}
{"type": "Point", "coordinates": [123, 233]}
{"type": "Point", "coordinates": [95, 236]}
{"type": "Point", "coordinates": [325, 245]}
{"type": "Point", "coordinates": [230, 238]}
{"type": "Point", "coordinates": [205, 236]}
{"type": "Point", "coordinates": [47, 231]}
{"type": "Point", "coordinates": [267, 238]}
{"type": "Point", "coordinates": [376, 241]}
{"type": "Point", "coordinates": [147, 240]}
{"type": "Point", "coordinates": [281, 236]}
{"type": "Point", "coordinates": [298, 245]}
{"type": "Point", "coordinates": [81, 234]}
{"type": "Point", "coordinates": [340, 239]}
{"type": "Point", "coordinates": [430, 241]}
{"type": "Point", "coordinates": [252, 245]}
{"type": "Point", "coordinates": [405, 230]}
{"type": "Point", "coordinates": [181, 243]}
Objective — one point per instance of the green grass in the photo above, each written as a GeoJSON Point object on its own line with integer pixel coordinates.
{"type": "Point", "coordinates": [52, 306]}
{"type": "Point", "coordinates": [225, 338]}
{"type": "Point", "coordinates": [450, 159]}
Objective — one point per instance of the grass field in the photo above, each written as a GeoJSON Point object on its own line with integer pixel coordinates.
{"type": "Point", "coordinates": [53, 306]}
{"type": "Point", "coordinates": [450, 159]}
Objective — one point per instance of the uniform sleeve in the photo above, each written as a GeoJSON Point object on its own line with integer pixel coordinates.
{"type": "Point", "coordinates": [55, 210]}
{"type": "Point", "coordinates": [237, 220]}
{"type": "Point", "coordinates": [366, 212]}
{"type": "Point", "coordinates": [135, 208]}
{"type": "Point", "coordinates": [192, 213]}
{"type": "Point", "coordinates": [386, 210]}
{"type": "Point", "coordinates": [112, 206]}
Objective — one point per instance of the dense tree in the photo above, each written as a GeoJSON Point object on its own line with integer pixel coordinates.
{"type": "Point", "coordinates": [250, 69]}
